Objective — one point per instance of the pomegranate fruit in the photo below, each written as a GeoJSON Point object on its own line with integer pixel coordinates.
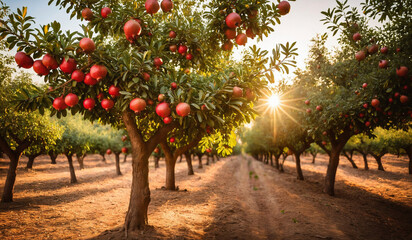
{"type": "Point", "coordinates": [98, 72]}
{"type": "Point", "coordinates": [105, 12]}
{"type": "Point", "coordinates": [173, 48]}
{"type": "Point", "coordinates": [172, 140]}
{"type": "Point", "coordinates": [39, 68]}
{"type": "Point", "coordinates": [367, 124]}
{"type": "Point", "coordinates": [284, 7]}
{"type": "Point", "coordinates": [152, 6]}
{"type": "Point", "coordinates": [241, 39]}
{"type": "Point", "coordinates": [87, 45]}
{"type": "Point", "coordinates": [49, 61]}
{"type": "Point", "coordinates": [250, 95]}
{"type": "Point", "coordinates": [100, 96]}
{"type": "Point", "coordinates": [146, 76]}
{"type": "Point", "coordinates": [137, 105]}
{"type": "Point", "coordinates": [364, 85]}
{"type": "Point", "coordinates": [68, 66]}
{"type": "Point", "coordinates": [375, 103]}
{"type": "Point", "coordinates": [360, 56]}
{"type": "Point", "coordinates": [253, 14]}
{"type": "Point", "coordinates": [150, 101]}
{"type": "Point", "coordinates": [203, 107]}
{"type": "Point", "coordinates": [309, 111]}
{"type": "Point", "coordinates": [227, 46]}
{"type": "Point", "coordinates": [156, 150]}
{"type": "Point", "coordinates": [78, 76]}
{"type": "Point", "coordinates": [237, 92]}
{"type": "Point", "coordinates": [161, 97]}
{"type": "Point", "coordinates": [172, 34]}
{"type": "Point", "coordinates": [166, 5]}
{"type": "Point", "coordinates": [108, 152]}
{"type": "Point", "coordinates": [58, 104]}
{"type": "Point", "coordinates": [319, 108]}
{"type": "Point", "coordinates": [173, 86]}
{"type": "Point", "coordinates": [23, 60]}
{"type": "Point", "coordinates": [163, 110]}
{"type": "Point", "coordinates": [365, 105]}
{"type": "Point", "coordinates": [403, 99]}
{"type": "Point", "coordinates": [307, 102]}
{"type": "Point", "coordinates": [209, 150]}
{"type": "Point", "coordinates": [71, 99]}
{"type": "Point", "coordinates": [324, 143]}
{"type": "Point", "coordinates": [124, 149]}
{"type": "Point", "coordinates": [233, 20]}
{"type": "Point", "coordinates": [124, 138]}
{"type": "Point", "coordinates": [167, 120]}
{"type": "Point", "coordinates": [384, 50]}
{"type": "Point", "coordinates": [157, 61]}
{"type": "Point", "coordinates": [400, 71]}
{"type": "Point", "coordinates": [383, 63]}
{"type": "Point", "coordinates": [132, 30]}
{"type": "Point", "coordinates": [107, 104]}
{"type": "Point", "coordinates": [114, 91]}
{"type": "Point", "coordinates": [183, 109]}
{"type": "Point", "coordinates": [230, 33]}
{"type": "Point", "coordinates": [373, 49]}
{"type": "Point", "coordinates": [182, 49]}
{"type": "Point", "coordinates": [89, 80]}
{"type": "Point", "coordinates": [189, 56]}
{"type": "Point", "coordinates": [356, 37]}
{"type": "Point", "coordinates": [89, 103]}
{"type": "Point", "coordinates": [250, 33]}
{"type": "Point", "coordinates": [397, 95]}
{"type": "Point", "coordinates": [87, 14]}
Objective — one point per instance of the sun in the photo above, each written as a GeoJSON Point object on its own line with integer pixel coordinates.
{"type": "Point", "coordinates": [274, 101]}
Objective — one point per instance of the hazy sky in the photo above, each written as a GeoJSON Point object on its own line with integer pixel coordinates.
{"type": "Point", "coordinates": [300, 25]}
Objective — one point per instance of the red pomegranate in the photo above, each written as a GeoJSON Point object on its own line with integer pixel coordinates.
{"type": "Point", "coordinates": [71, 99]}
{"type": "Point", "coordinates": [146, 76]}
{"type": "Point", "coordinates": [356, 37]}
{"type": "Point", "coordinates": [137, 105]}
{"type": "Point", "coordinates": [250, 95]}
{"type": "Point", "coordinates": [375, 103]}
{"type": "Point", "coordinates": [403, 99]}
{"type": "Point", "coordinates": [167, 120]}
{"type": "Point", "coordinates": [241, 39]}
{"type": "Point", "coordinates": [163, 110]}
{"type": "Point", "coordinates": [209, 150]}
{"type": "Point", "coordinates": [89, 103]}
{"type": "Point", "coordinates": [68, 66]}
{"type": "Point", "coordinates": [365, 105]}
{"type": "Point", "coordinates": [49, 62]}
{"type": "Point", "coordinates": [172, 34]}
{"type": "Point", "coordinates": [183, 109]}
{"type": "Point", "coordinates": [89, 80]}
{"type": "Point", "coordinates": [367, 124]}
{"type": "Point", "coordinates": [360, 56]}
{"type": "Point", "coordinates": [189, 56]}
{"type": "Point", "coordinates": [233, 20]}
{"type": "Point", "coordinates": [250, 33]}
{"type": "Point", "coordinates": [182, 49]}
{"type": "Point", "coordinates": [152, 6]}
{"type": "Point", "coordinates": [402, 71]}
{"type": "Point", "coordinates": [383, 63]}
{"type": "Point", "coordinates": [397, 95]}
{"type": "Point", "coordinates": [108, 152]}
{"type": "Point", "coordinates": [173, 86]}
{"type": "Point", "coordinates": [173, 48]}
{"type": "Point", "coordinates": [124, 149]}
{"type": "Point", "coordinates": [107, 104]}
{"type": "Point", "coordinates": [23, 60]}
{"type": "Point", "coordinates": [284, 7]}
{"type": "Point", "coordinates": [87, 45]}
{"type": "Point", "coordinates": [87, 14]}
{"type": "Point", "coordinates": [114, 91]}
{"type": "Point", "coordinates": [365, 85]}
{"type": "Point", "coordinates": [105, 12]}
{"type": "Point", "coordinates": [132, 30]}
{"type": "Point", "coordinates": [227, 46]}
{"type": "Point", "coordinates": [156, 150]}
{"type": "Point", "coordinates": [319, 108]}
{"type": "Point", "coordinates": [253, 14]}
{"type": "Point", "coordinates": [373, 49]}
{"type": "Point", "coordinates": [58, 104]}
{"type": "Point", "coordinates": [100, 96]}
{"type": "Point", "coordinates": [166, 5]}
{"type": "Point", "coordinates": [324, 143]}
{"type": "Point", "coordinates": [98, 72]}
{"type": "Point", "coordinates": [39, 68]}
{"type": "Point", "coordinates": [203, 107]}
{"type": "Point", "coordinates": [161, 97]}
{"type": "Point", "coordinates": [172, 139]}
{"type": "Point", "coordinates": [237, 92]}
{"type": "Point", "coordinates": [150, 101]}
{"type": "Point", "coordinates": [230, 33]}
{"type": "Point", "coordinates": [307, 102]}
{"type": "Point", "coordinates": [78, 76]}
{"type": "Point", "coordinates": [384, 50]}
{"type": "Point", "coordinates": [157, 61]}
{"type": "Point", "coordinates": [309, 111]}
{"type": "Point", "coordinates": [124, 138]}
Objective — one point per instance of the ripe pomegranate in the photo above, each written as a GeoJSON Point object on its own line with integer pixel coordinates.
{"type": "Point", "coordinates": [319, 108]}
{"type": "Point", "coordinates": [87, 14]}
{"type": "Point", "coordinates": [230, 33]}
{"type": "Point", "coordinates": [373, 49]}
{"type": "Point", "coordinates": [187, 71]}
{"type": "Point", "coordinates": [403, 99]}
{"type": "Point", "coordinates": [307, 102]}
{"type": "Point", "coordinates": [49, 62]}
{"type": "Point", "coordinates": [250, 33]}
{"type": "Point", "coordinates": [398, 50]}
{"type": "Point", "coordinates": [402, 71]}
{"type": "Point", "coordinates": [137, 105]}
{"type": "Point", "coordinates": [324, 143]}
{"type": "Point", "coordinates": [390, 100]}
{"type": "Point", "coordinates": [203, 107]}
{"type": "Point", "coordinates": [361, 115]}
{"type": "Point", "coordinates": [183, 109]}
{"type": "Point", "coordinates": [68, 66]}
{"type": "Point", "coordinates": [39, 68]}
{"type": "Point", "coordinates": [241, 39]}
{"type": "Point", "coordinates": [89, 103]}
{"type": "Point", "coordinates": [98, 72]}
{"type": "Point", "coordinates": [250, 95]}
{"type": "Point", "coordinates": [89, 80]}
{"type": "Point", "coordinates": [166, 5]}
{"type": "Point", "coordinates": [167, 120]}
{"type": "Point", "coordinates": [233, 20]}
{"type": "Point", "coordinates": [365, 105]}
{"type": "Point", "coordinates": [375, 103]}
{"type": "Point", "coordinates": [105, 12]}
{"type": "Point", "coordinates": [156, 150]}
{"type": "Point", "coordinates": [237, 92]}
{"type": "Point", "coordinates": [209, 150]}
{"type": "Point", "coordinates": [357, 92]}
{"type": "Point", "coordinates": [124, 138]}
{"type": "Point", "coordinates": [163, 110]}
{"type": "Point", "coordinates": [100, 96]}
{"type": "Point", "coordinates": [397, 94]}
{"type": "Point", "coordinates": [108, 152]}
{"type": "Point", "coordinates": [71, 99]}
{"type": "Point", "coordinates": [227, 46]}
{"type": "Point", "coordinates": [383, 63]}
{"type": "Point", "coordinates": [150, 101]}
{"type": "Point", "coordinates": [124, 149]}
{"type": "Point", "coordinates": [78, 76]}
{"type": "Point", "coordinates": [384, 50]}
{"type": "Point", "coordinates": [172, 34]}
{"type": "Point", "coordinates": [309, 111]}
{"type": "Point", "coordinates": [173, 86]}
{"type": "Point", "coordinates": [152, 6]}
{"type": "Point", "coordinates": [161, 97]}
{"type": "Point", "coordinates": [356, 37]}
{"type": "Point", "coordinates": [107, 104]}
{"type": "Point", "coordinates": [189, 56]}
{"type": "Point", "coordinates": [284, 7]}
{"type": "Point", "coordinates": [23, 60]}
{"type": "Point", "coordinates": [132, 30]}
{"type": "Point", "coordinates": [182, 49]}
{"type": "Point", "coordinates": [172, 139]}
{"type": "Point", "coordinates": [367, 124]}
{"type": "Point", "coordinates": [59, 104]}
{"type": "Point", "coordinates": [87, 45]}
{"type": "Point", "coordinates": [158, 61]}
{"type": "Point", "coordinates": [324, 133]}
{"type": "Point", "coordinates": [253, 14]}
{"type": "Point", "coordinates": [173, 48]}
{"type": "Point", "coordinates": [114, 91]}
{"type": "Point", "coordinates": [360, 56]}
{"type": "Point", "coordinates": [364, 85]}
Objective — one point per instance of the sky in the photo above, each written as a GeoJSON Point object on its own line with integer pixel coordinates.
{"type": "Point", "coordinates": [300, 25]}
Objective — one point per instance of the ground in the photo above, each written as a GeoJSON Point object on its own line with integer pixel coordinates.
{"type": "Point", "coordinates": [234, 198]}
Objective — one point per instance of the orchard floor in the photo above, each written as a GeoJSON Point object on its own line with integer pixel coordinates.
{"type": "Point", "coordinates": [234, 198]}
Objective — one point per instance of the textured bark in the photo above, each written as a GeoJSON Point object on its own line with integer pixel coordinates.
{"type": "Point", "coordinates": [73, 178]}
{"type": "Point", "coordinates": [188, 157]}
{"type": "Point", "coordinates": [298, 167]}
{"type": "Point", "coordinates": [350, 158]}
{"type": "Point", "coordinates": [117, 157]}
{"type": "Point", "coordinates": [199, 156]}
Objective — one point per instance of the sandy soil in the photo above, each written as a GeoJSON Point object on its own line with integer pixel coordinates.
{"type": "Point", "coordinates": [234, 198]}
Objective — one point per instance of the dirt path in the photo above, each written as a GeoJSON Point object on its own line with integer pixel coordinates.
{"type": "Point", "coordinates": [235, 198]}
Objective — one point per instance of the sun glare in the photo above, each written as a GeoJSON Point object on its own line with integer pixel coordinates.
{"type": "Point", "coordinates": [274, 101]}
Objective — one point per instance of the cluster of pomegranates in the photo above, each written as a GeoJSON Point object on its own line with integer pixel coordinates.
{"type": "Point", "coordinates": [234, 20]}
{"type": "Point", "coordinates": [238, 93]}
{"type": "Point", "coordinates": [181, 49]}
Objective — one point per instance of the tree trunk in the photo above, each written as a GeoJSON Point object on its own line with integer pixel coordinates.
{"type": "Point", "coordinates": [170, 173]}
{"type": "Point", "coordinates": [213, 157]}
{"type": "Point", "coordinates": [117, 156]}
{"type": "Point", "coordinates": [277, 156]}
{"type": "Point", "coordinates": [271, 159]}
{"type": "Point", "coordinates": [207, 159]}
{"type": "Point", "coordinates": [73, 178]}
{"type": "Point", "coordinates": [11, 178]}
{"type": "Point", "coordinates": [188, 157]}
{"type": "Point", "coordinates": [283, 162]}
{"type": "Point", "coordinates": [409, 152]}
{"type": "Point", "coordinates": [199, 156]}
{"type": "Point", "coordinates": [313, 157]}
{"type": "Point", "coordinates": [365, 161]}
{"type": "Point", "coordinates": [349, 157]}
{"type": "Point", "coordinates": [80, 160]}
{"type": "Point", "coordinates": [180, 160]}
{"type": "Point", "coordinates": [125, 157]}
{"type": "Point", "coordinates": [103, 157]}
{"type": "Point", "coordinates": [156, 162]}
{"type": "Point", "coordinates": [53, 158]}
{"type": "Point", "coordinates": [31, 161]}
{"type": "Point", "coordinates": [298, 168]}
{"type": "Point", "coordinates": [378, 159]}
